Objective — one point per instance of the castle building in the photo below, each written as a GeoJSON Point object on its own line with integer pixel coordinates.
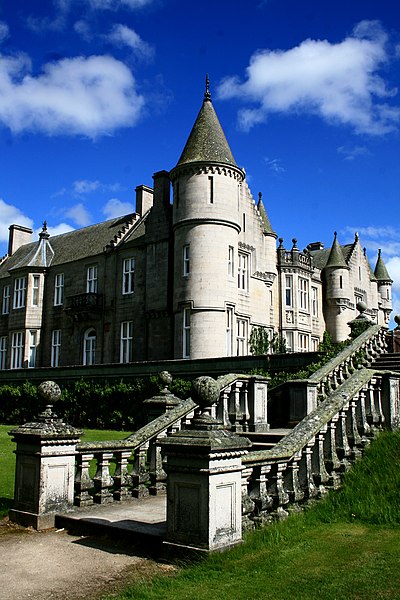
{"type": "Point", "coordinates": [188, 275]}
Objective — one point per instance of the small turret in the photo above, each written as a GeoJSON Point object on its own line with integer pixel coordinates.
{"type": "Point", "coordinates": [384, 282]}
{"type": "Point", "coordinates": [338, 292]}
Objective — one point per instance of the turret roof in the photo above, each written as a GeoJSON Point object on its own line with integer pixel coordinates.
{"type": "Point", "coordinates": [264, 216]}
{"type": "Point", "coordinates": [207, 141]}
{"type": "Point", "coordinates": [380, 270]}
{"type": "Point", "coordinates": [336, 258]}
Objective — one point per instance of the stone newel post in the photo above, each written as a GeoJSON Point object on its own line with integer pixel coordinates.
{"type": "Point", "coordinates": [203, 465]}
{"type": "Point", "coordinates": [45, 466]}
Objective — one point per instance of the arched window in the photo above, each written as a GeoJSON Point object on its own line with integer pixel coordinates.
{"type": "Point", "coordinates": [89, 347]}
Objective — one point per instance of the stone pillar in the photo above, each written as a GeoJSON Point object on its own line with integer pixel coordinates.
{"type": "Point", "coordinates": [204, 465]}
{"type": "Point", "coordinates": [45, 466]}
{"type": "Point", "coordinates": [391, 400]}
{"type": "Point", "coordinates": [302, 398]}
{"type": "Point", "coordinates": [258, 404]}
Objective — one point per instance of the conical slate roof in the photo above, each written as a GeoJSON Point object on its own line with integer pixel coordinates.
{"type": "Point", "coordinates": [264, 216]}
{"type": "Point", "coordinates": [380, 272]}
{"type": "Point", "coordinates": [207, 141]}
{"type": "Point", "coordinates": [336, 258]}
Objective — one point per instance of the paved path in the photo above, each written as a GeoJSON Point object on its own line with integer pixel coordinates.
{"type": "Point", "coordinates": [55, 565]}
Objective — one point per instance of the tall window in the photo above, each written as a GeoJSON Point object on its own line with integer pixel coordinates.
{"type": "Point", "coordinates": [186, 333]}
{"type": "Point", "coordinates": [303, 294]}
{"type": "Point", "coordinates": [128, 276]}
{"type": "Point", "coordinates": [229, 331]}
{"type": "Point", "coordinates": [58, 289]}
{"type": "Point", "coordinates": [35, 290]}
{"type": "Point", "coordinates": [19, 292]}
{"type": "Point", "coordinates": [231, 261]}
{"type": "Point", "coordinates": [241, 337]}
{"type": "Point", "coordinates": [314, 301]}
{"type": "Point", "coordinates": [303, 342]}
{"type": "Point", "coordinates": [17, 350]}
{"type": "Point", "coordinates": [32, 348]}
{"type": "Point", "coordinates": [55, 347]}
{"type": "Point", "coordinates": [91, 280]}
{"type": "Point", "coordinates": [289, 341]}
{"type": "Point", "coordinates": [211, 189]}
{"type": "Point", "coordinates": [89, 347]}
{"type": "Point", "coordinates": [5, 309]}
{"type": "Point", "coordinates": [243, 271]}
{"type": "Point", "coordinates": [126, 342]}
{"type": "Point", "coordinates": [3, 352]}
{"type": "Point", "coordinates": [186, 260]}
{"type": "Point", "coordinates": [288, 290]}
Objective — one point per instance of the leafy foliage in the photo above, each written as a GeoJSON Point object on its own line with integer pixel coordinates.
{"type": "Point", "coordinates": [261, 342]}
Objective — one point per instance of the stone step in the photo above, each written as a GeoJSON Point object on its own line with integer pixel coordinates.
{"type": "Point", "coordinates": [266, 439]}
{"type": "Point", "coordinates": [141, 521]}
{"type": "Point", "coordinates": [389, 362]}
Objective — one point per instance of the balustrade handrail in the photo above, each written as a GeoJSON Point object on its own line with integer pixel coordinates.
{"type": "Point", "coordinates": [308, 428]}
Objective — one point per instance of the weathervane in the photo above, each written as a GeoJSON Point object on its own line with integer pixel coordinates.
{"type": "Point", "coordinates": [207, 95]}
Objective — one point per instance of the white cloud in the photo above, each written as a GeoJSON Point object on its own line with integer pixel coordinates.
{"type": "Point", "coordinates": [59, 229]}
{"type": "Point", "coordinates": [85, 186]}
{"type": "Point", "coordinates": [115, 4]}
{"type": "Point", "coordinates": [121, 35]}
{"type": "Point", "coordinates": [350, 153]}
{"type": "Point", "coordinates": [339, 82]}
{"type": "Point", "coordinates": [87, 96]}
{"type": "Point", "coordinates": [58, 23]}
{"type": "Point", "coordinates": [4, 31]}
{"type": "Point", "coordinates": [82, 28]}
{"type": "Point", "coordinates": [115, 208]}
{"type": "Point", "coordinates": [79, 214]}
{"type": "Point", "coordinates": [274, 164]}
{"type": "Point", "coordinates": [10, 215]}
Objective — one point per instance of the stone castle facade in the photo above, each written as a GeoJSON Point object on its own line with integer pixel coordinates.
{"type": "Point", "coordinates": [188, 275]}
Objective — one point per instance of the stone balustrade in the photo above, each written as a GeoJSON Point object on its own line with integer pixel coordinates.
{"type": "Point", "coordinates": [313, 456]}
{"type": "Point", "coordinates": [306, 394]}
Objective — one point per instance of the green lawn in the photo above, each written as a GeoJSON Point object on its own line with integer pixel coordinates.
{"type": "Point", "coordinates": [7, 460]}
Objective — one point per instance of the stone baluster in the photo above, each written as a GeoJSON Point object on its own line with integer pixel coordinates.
{"type": "Point", "coordinates": [333, 379]}
{"type": "Point", "coordinates": [262, 501]}
{"type": "Point", "coordinates": [83, 481]}
{"type": "Point", "coordinates": [122, 479]}
{"type": "Point", "coordinates": [103, 481]}
{"type": "Point", "coordinates": [353, 435]}
{"type": "Point", "coordinates": [306, 472]}
{"type": "Point", "coordinates": [320, 474]}
{"type": "Point", "coordinates": [157, 474]}
{"type": "Point", "coordinates": [372, 415]}
{"type": "Point", "coordinates": [342, 442]}
{"type": "Point", "coordinates": [363, 425]}
{"type": "Point", "coordinates": [245, 405]}
{"type": "Point", "coordinates": [248, 503]}
{"type": "Point", "coordinates": [222, 407]}
{"type": "Point", "coordinates": [332, 461]}
{"type": "Point", "coordinates": [291, 479]}
{"type": "Point", "coordinates": [235, 410]}
{"type": "Point", "coordinates": [140, 474]}
{"type": "Point", "coordinates": [340, 378]}
{"type": "Point", "coordinates": [276, 489]}
{"type": "Point", "coordinates": [377, 387]}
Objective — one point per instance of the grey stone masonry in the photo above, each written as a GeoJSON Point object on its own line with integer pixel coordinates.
{"type": "Point", "coordinates": [44, 481]}
{"type": "Point", "coordinates": [204, 465]}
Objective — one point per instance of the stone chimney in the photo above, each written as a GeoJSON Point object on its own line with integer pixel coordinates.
{"type": "Point", "coordinates": [19, 236]}
{"type": "Point", "coordinates": [144, 199]}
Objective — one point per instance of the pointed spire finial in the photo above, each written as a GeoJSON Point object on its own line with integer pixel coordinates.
{"type": "Point", "coordinates": [335, 234]}
{"type": "Point", "coordinates": [45, 225]}
{"type": "Point", "coordinates": [260, 196]}
{"type": "Point", "coordinates": [207, 95]}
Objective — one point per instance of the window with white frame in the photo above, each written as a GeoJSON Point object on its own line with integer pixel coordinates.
{"type": "Point", "coordinates": [289, 341]}
{"type": "Point", "coordinates": [55, 347]}
{"type": "Point", "coordinates": [91, 280]}
{"type": "Point", "coordinates": [33, 336]}
{"type": "Point", "coordinates": [314, 344]}
{"type": "Point", "coordinates": [17, 350]}
{"type": "Point", "coordinates": [229, 331]}
{"type": "Point", "coordinates": [243, 271]}
{"type": "Point", "coordinates": [128, 276]}
{"type": "Point", "coordinates": [3, 352]}
{"type": "Point", "coordinates": [288, 290]}
{"type": "Point", "coordinates": [231, 261]}
{"type": "Point", "coordinates": [19, 292]}
{"type": "Point", "coordinates": [126, 342]}
{"type": "Point", "coordinates": [89, 347]}
{"type": "Point", "coordinates": [303, 342]}
{"type": "Point", "coordinates": [5, 307]}
{"type": "Point", "coordinates": [314, 301]}
{"type": "Point", "coordinates": [35, 289]}
{"type": "Point", "coordinates": [241, 337]}
{"type": "Point", "coordinates": [186, 333]}
{"type": "Point", "coordinates": [303, 294]}
{"type": "Point", "coordinates": [58, 289]}
{"type": "Point", "coordinates": [186, 260]}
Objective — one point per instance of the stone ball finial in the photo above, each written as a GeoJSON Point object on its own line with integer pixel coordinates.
{"type": "Point", "coordinates": [50, 391]}
{"type": "Point", "coordinates": [397, 321]}
{"type": "Point", "coordinates": [165, 378]}
{"type": "Point", "coordinates": [361, 306]}
{"type": "Point", "coordinates": [205, 391]}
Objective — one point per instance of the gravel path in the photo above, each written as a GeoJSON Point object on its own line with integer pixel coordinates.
{"type": "Point", "coordinates": [56, 565]}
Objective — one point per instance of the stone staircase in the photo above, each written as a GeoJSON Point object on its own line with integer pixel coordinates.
{"type": "Point", "coordinates": [265, 440]}
{"type": "Point", "coordinates": [387, 362]}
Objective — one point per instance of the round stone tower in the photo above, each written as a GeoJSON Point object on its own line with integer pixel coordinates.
{"type": "Point", "coordinates": [384, 290]}
{"type": "Point", "coordinates": [206, 223]}
{"type": "Point", "coordinates": [338, 293]}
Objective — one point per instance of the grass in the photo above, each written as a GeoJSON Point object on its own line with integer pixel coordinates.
{"type": "Point", "coordinates": [7, 460]}
{"type": "Point", "coordinates": [346, 547]}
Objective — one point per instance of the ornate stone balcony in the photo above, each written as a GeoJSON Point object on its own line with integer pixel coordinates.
{"type": "Point", "coordinates": [83, 306]}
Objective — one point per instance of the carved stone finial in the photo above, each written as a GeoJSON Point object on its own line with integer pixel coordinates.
{"type": "Point", "coordinates": [361, 307]}
{"type": "Point", "coordinates": [166, 380]}
{"type": "Point", "coordinates": [397, 321]}
{"type": "Point", "coordinates": [207, 94]}
{"type": "Point", "coordinates": [51, 393]}
{"type": "Point", "coordinates": [335, 234]}
{"type": "Point", "coordinates": [205, 392]}
{"type": "Point", "coordinates": [260, 196]}
{"type": "Point", "coordinates": [294, 240]}
{"type": "Point", "coordinates": [280, 242]}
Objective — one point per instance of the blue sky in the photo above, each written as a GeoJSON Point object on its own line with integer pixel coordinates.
{"type": "Point", "coordinates": [97, 95]}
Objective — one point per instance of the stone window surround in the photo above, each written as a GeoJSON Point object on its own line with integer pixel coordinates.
{"type": "Point", "coordinates": [126, 342]}
{"type": "Point", "coordinates": [3, 352]}
{"type": "Point", "coordinates": [19, 292]}
{"type": "Point", "coordinates": [58, 289]}
{"type": "Point", "coordinates": [6, 300]}
{"type": "Point", "coordinates": [91, 279]}
{"type": "Point", "coordinates": [17, 349]}
{"type": "Point", "coordinates": [128, 276]}
{"type": "Point", "coordinates": [55, 347]}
